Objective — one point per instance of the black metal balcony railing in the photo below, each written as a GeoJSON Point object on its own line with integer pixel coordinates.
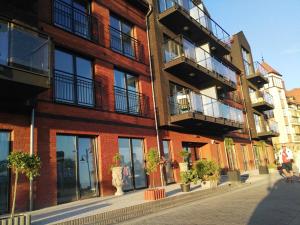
{"type": "Point", "coordinates": [75, 20]}
{"type": "Point", "coordinates": [126, 45]}
{"type": "Point", "coordinates": [130, 102]}
{"type": "Point", "coordinates": [23, 48]}
{"type": "Point", "coordinates": [77, 90]}
{"type": "Point", "coordinates": [200, 16]}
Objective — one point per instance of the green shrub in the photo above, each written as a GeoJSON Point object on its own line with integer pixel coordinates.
{"type": "Point", "coordinates": [152, 159]}
{"type": "Point", "coordinates": [189, 176]}
{"type": "Point", "coordinates": [185, 155]}
{"type": "Point", "coordinates": [207, 169]}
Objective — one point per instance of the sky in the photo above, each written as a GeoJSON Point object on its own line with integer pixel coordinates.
{"type": "Point", "coordinates": [272, 28]}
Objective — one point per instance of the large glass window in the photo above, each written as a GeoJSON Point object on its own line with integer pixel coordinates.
{"type": "Point", "coordinates": [121, 33]}
{"type": "Point", "coordinates": [247, 62]}
{"type": "Point", "coordinates": [132, 159]}
{"type": "Point", "coordinates": [4, 173]}
{"type": "Point", "coordinates": [73, 15]}
{"type": "Point", "coordinates": [73, 79]}
{"type": "Point", "coordinates": [76, 168]}
{"type": "Point", "coordinates": [169, 174]}
{"type": "Point", "coordinates": [127, 98]}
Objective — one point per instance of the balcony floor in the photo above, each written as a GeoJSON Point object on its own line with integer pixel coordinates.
{"type": "Point", "coordinates": [258, 80]}
{"type": "Point", "coordinates": [202, 78]}
{"type": "Point", "coordinates": [205, 124]}
{"type": "Point", "coordinates": [263, 106]}
{"type": "Point", "coordinates": [189, 27]}
{"type": "Point", "coordinates": [267, 134]}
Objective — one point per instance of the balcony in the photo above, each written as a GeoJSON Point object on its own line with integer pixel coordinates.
{"type": "Point", "coordinates": [258, 77]}
{"type": "Point", "coordinates": [197, 111]}
{"type": "Point", "coordinates": [262, 101]}
{"type": "Point", "coordinates": [126, 45]}
{"type": "Point", "coordinates": [193, 64]}
{"type": "Point", "coordinates": [184, 17]}
{"type": "Point", "coordinates": [75, 21]}
{"type": "Point", "coordinates": [269, 114]}
{"type": "Point", "coordinates": [267, 129]}
{"type": "Point", "coordinates": [24, 61]}
{"type": "Point", "coordinates": [130, 102]}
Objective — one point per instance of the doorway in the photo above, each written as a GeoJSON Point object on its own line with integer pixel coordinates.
{"type": "Point", "coordinates": [76, 168]}
{"type": "Point", "coordinates": [168, 168]}
{"type": "Point", "coordinates": [132, 160]}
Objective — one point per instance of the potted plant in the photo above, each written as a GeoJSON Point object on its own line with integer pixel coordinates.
{"type": "Point", "coordinates": [272, 168]}
{"type": "Point", "coordinates": [117, 174]}
{"type": "Point", "coordinates": [21, 163]}
{"type": "Point", "coordinates": [209, 173]}
{"type": "Point", "coordinates": [186, 178]}
{"type": "Point", "coordinates": [152, 162]}
{"type": "Point", "coordinates": [184, 165]}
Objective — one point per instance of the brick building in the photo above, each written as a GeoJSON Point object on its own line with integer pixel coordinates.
{"type": "Point", "coordinates": [76, 89]}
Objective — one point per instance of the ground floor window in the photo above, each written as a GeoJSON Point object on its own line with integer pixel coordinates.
{"type": "Point", "coordinates": [231, 156]}
{"type": "Point", "coordinates": [256, 156]}
{"type": "Point", "coordinates": [76, 168]}
{"type": "Point", "coordinates": [168, 168]}
{"type": "Point", "coordinates": [245, 157]}
{"type": "Point", "coordinates": [132, 159]}
{"type": "Point", "coordinates": [4, 172]}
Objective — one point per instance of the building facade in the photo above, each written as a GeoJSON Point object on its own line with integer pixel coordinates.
{"type": "Point", "coordinates": [76, 88]}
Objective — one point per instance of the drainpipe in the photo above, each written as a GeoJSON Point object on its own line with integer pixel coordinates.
{"type": "Point", "coordinates": [153, 95]}
{"type": "Point", "coordinates": [31, 153]}
{"type": "Point", "coordinates": [247, 119]}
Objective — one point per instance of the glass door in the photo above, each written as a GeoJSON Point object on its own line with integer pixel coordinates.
{"type": "Point", "coordinates": [76, 168]}
{"type": "Point", "coordinates": [132, 159]}
{"type": "Point", "coordinates": [4, 172]}
{"type": "Point", "coordinates": [169, 173]}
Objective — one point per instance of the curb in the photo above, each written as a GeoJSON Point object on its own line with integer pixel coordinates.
{"type": "Point", "coordinates": [131, 212]}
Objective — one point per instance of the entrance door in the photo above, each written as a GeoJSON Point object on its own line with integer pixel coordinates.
{"type": "Point", "coordinates": [132, 159]}
{"type": "Point", "coordinates": [76, 168]}
{"type": "Point", "coordinates": [256, 156]}
{"type": "Point", "coordinates": [169, 174]}
{"type": "Point", "coordinates": [4, 174]}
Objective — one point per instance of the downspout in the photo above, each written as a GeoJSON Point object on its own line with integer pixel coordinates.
{"type": "Point", "coordinates": [247, 119]}
{"type": "Point", "coordinates": [153, 95]}
{"type": "Point", "coordinates": [31, 153]}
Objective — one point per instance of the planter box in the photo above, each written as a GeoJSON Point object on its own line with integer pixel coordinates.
{"type": "Point", "coordinates": [234, 176]}
{"type": "Point", "coordinates": [154, 194]}
{"type": "Point", "coordinates": [263, 170]}
{"type": "Point", "coordinates": [213, 184]}
{"type": "Point", "coordinates": [205, 184]}
{"type": "Point", "coordinates": [21, 219]}
{"type": "Point", "coordinates": [272, 170]}
{"type": "Point", "coordinates": [185, 187]}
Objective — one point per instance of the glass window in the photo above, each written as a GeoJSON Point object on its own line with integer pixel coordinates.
{"type": "Point", "coordinates": [4, 173]}
{"type": "Point", "coordinates": [247, 61]}
{"type": "Point", "coordinates": [168, 168]}
{"type": "Point", "coordinates": [76, 168]}
{"type": "Point", "coordinates": [127, 98]}
{"type": "Point", "coordinates": [73, 15]}
{"type": "Point", "coordinates": [132, 159]}
{"type": "Point", "coordinates": [121, 33]}
{"type": "Point", "coordinates": [73, 79]}
{"type": "Point", "coordinates": [3, 42]}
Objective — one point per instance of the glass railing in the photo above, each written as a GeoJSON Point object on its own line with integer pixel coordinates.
{"type": "Point", "coordinates": [198, 14]}
{"type": "Point", "coordinates": [24, 48]}
{"type": "Point", "coordinates": [182, 47]}
{"type": "Point", "coordinates": [272, 126]}
{"type": "Point", "coordinates": [261, 96]}
{"type": "Point", "coordinates": [194, 102]}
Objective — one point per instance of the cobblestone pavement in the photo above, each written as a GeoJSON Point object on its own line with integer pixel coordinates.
{"type": "Point", "coordinates": [270, 202]}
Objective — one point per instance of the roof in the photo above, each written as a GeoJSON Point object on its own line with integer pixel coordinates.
{"type": "Point", "coordinates": [269, 69]}
{"type": "Point", "coordinates": [295, 93]}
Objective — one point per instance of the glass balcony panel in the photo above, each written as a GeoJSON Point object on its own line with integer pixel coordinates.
{"type": "Point", "coordinates": [3, 42]}
{"type": "Point", "coordinates": [171, 50]}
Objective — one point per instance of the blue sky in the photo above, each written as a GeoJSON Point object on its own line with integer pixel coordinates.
{"type": "Point", "coordinates": [272, 28]}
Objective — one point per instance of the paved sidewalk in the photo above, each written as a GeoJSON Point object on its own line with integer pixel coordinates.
{"type": "Point", "coordinates": [99, 205]}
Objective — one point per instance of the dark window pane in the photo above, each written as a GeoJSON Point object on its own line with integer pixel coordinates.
{"type": "Point", "coordinates": [124, 149]}
{"type": "Point", "coordinates": [3, 42]}
{"type": "Point", "coordinates": [138, 163]}
{"type": "Point", "coordinates": [4, 174]}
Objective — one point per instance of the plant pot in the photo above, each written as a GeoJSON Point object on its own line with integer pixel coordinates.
{"type": "Point", "coordinates": [21, 219]}
{"type": "Point", "coordinates": [154, 194]}
{"type": "Point", "coordinates": [272, 170]}
{"type": "Point", "coordinates": [117, 180]}
{"type": "Point", "coordinates": [234, 176]}
{"type": "Point", "coordinates": [185, 187]}
{"type": "Point", "coordinates": [263, 170]}
{"type": "Point", "coordinates": [205, 184]}
{"type": "Point", "coordinates": [184, 166]}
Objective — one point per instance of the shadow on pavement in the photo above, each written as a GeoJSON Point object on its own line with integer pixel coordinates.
{"type": "Point", "coordinates": [280, 207]}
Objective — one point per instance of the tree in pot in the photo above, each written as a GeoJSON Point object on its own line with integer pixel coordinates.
{"type": "Point", "coordinates": [208, 171]}
{"type": "Point", "coordinates": [117, 174]}
{"type": "Point", "coordinates": [186, 178]}
{"type": "Point", "coordinates": [184, 165]}
{"type": "Point", "coordinates": [22, 163]}
{"type": "Point", "coordinates": [152, 162]}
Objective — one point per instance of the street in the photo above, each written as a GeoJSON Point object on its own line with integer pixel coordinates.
{"type": "Point", "coordinates": [270, 202]}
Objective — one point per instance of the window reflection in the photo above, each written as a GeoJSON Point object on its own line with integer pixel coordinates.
{"type": "Point", "coordinates": [4, 174]}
